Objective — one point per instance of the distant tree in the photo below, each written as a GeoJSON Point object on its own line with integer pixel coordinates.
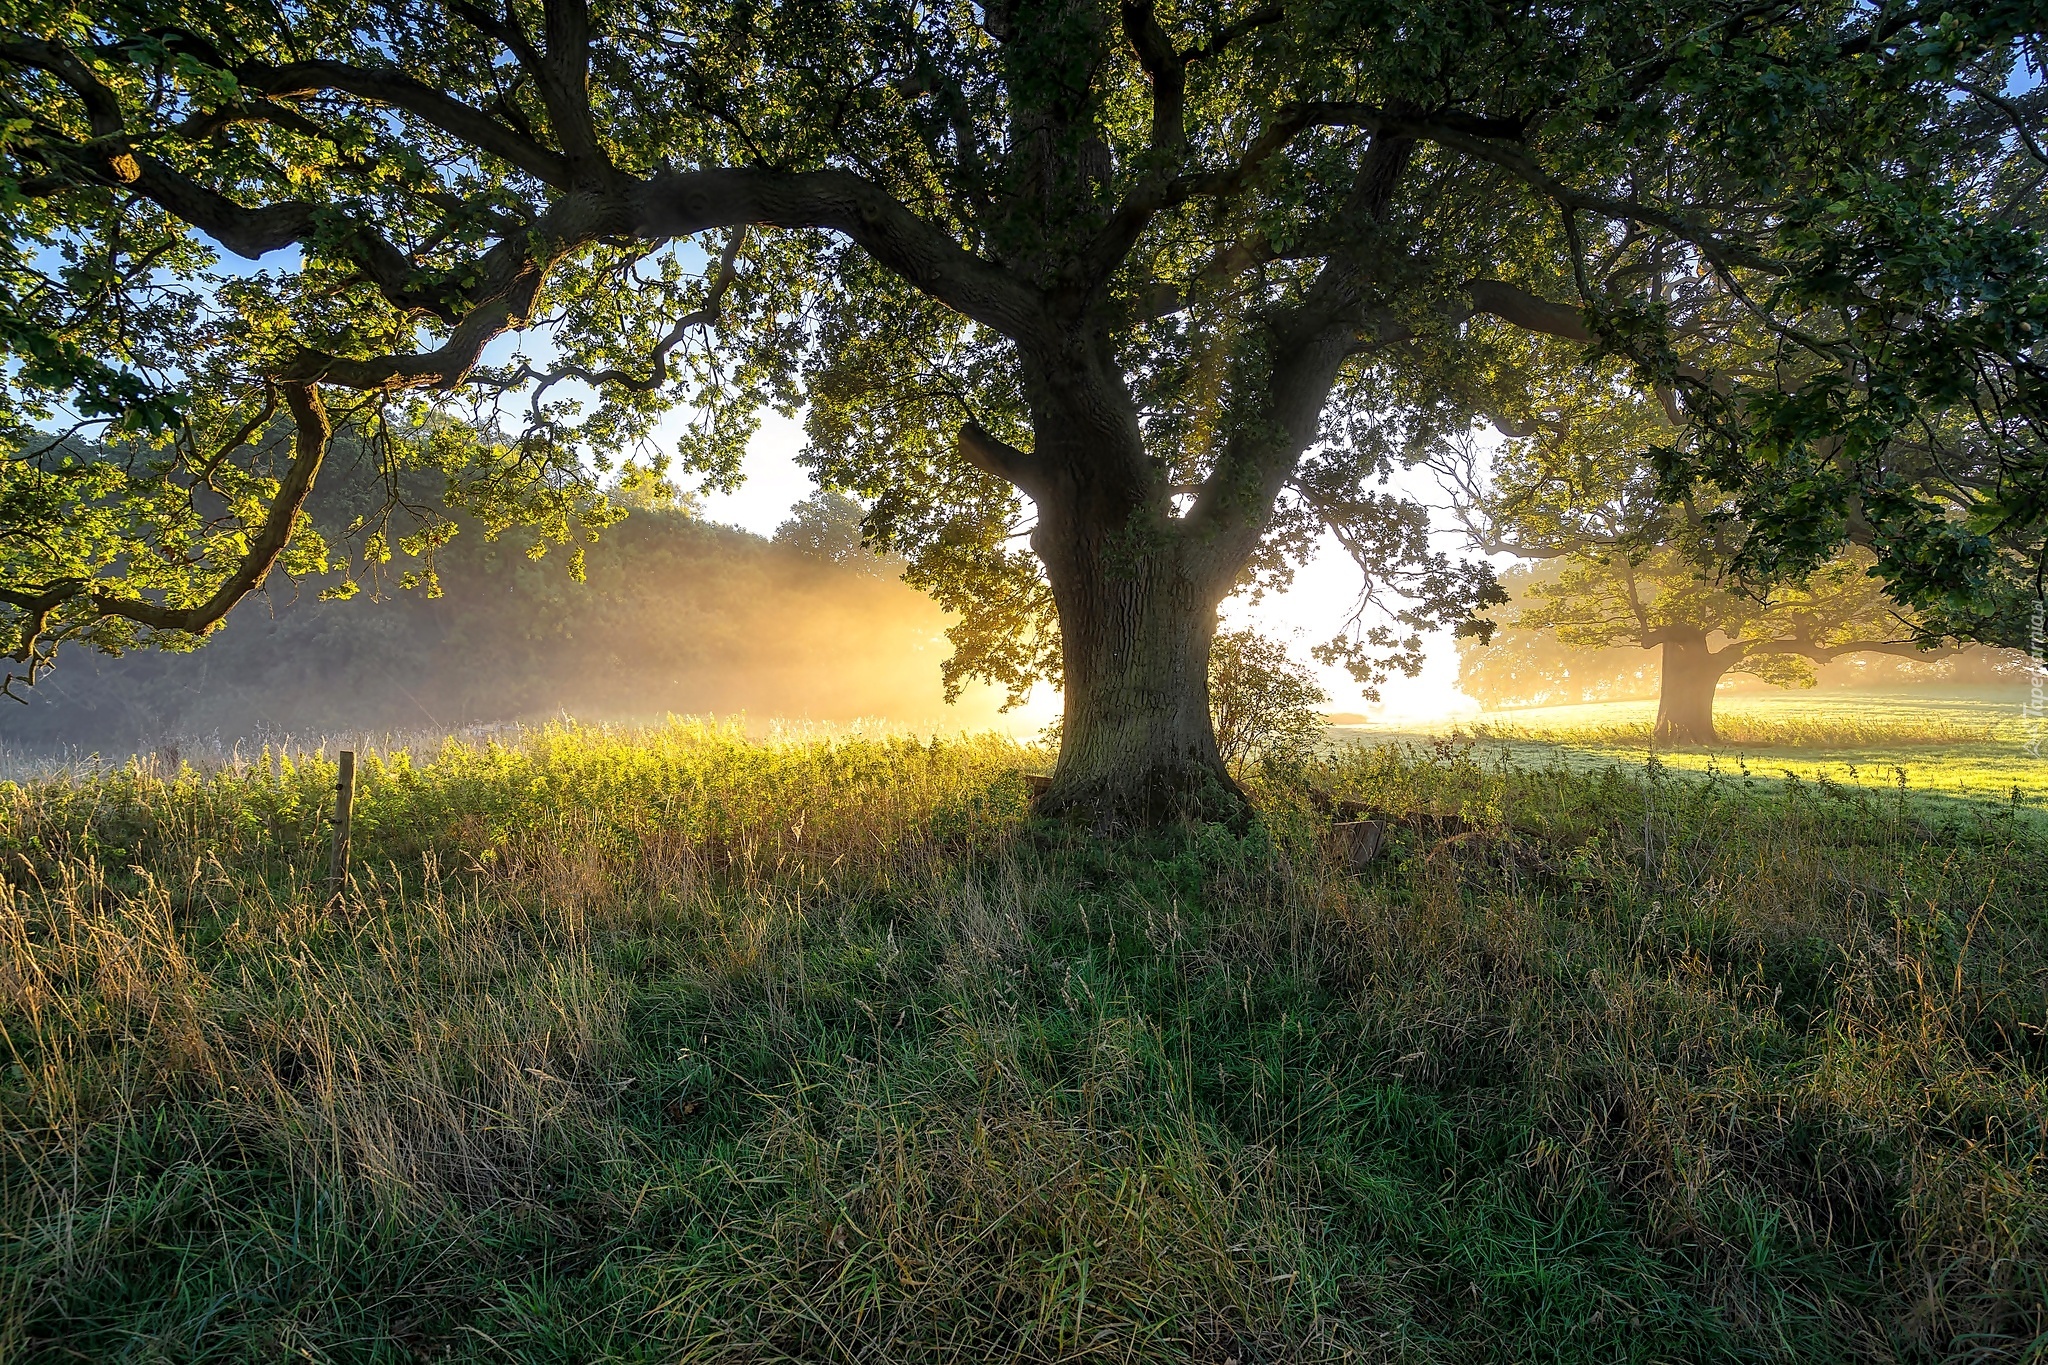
{"type": "Point", "coordinates": [1626, 568]}
{"type": "Point", "coordinates": [1659, 600]}
{"type": "Point", "coordinates": [1529, 665]}
{"type": "Point", "coordinates": [827, 525]}
{"type": "Point", "coordinates": [1262, 701]}
{"type": "Point", "coordinates": [1191, 279]}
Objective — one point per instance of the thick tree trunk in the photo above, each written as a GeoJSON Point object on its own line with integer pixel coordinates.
{"type": "Point", "coordinates": [1136, 743]}
{"type": "Point", "coordinates": [1136, 590]}
{"type": "Point", "coordinates": [1685, 703]}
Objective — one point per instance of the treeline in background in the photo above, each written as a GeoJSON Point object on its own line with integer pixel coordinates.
{"type": "Point", "coordinates": [674, 615]}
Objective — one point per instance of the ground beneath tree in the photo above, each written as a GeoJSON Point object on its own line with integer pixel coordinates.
{"type": "Point", "coordinates": [676, 1046]}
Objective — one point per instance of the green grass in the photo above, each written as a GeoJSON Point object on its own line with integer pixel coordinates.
{"type": "Point", "coordinates": [1919, 719]}
{"type": "Point", "coordinates": [675, 1046]}
{"type": "Point", "coordinates": [1968, 743]}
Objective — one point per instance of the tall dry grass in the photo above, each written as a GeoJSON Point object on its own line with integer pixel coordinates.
{"type": "Point", "coordinates": [670, 1045]}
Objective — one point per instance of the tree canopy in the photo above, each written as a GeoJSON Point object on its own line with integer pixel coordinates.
{"type": "Point", "coordinates": [1516, 667]}
{"type": "Point", "coordinates": [827, 525]}
{"type": "Point", "coordinates": [1193, 279]}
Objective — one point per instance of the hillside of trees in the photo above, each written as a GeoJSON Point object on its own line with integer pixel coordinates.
{"type": "Point", "coordinates": [675, 615]}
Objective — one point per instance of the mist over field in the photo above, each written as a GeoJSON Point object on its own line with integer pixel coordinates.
{"type": "Point", "coordinates": [676, 616]}
{"type": "Point", "coordinates": [682, 616]}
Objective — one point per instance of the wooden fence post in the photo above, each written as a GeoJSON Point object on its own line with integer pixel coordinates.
{"type": "Point", "coordinates": [344, 807]}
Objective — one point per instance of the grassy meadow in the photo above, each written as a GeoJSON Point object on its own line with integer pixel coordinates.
{"type": "Point", "coordinates": [672, 1045]}
{"type": "Point", "coordinates": [1968, 743]}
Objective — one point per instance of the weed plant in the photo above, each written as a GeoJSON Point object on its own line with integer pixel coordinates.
{"type": "Point", "coordinates": [674, 1046]}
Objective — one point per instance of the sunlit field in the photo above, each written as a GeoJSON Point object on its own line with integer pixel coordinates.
{"type": "Point", "coordinates": [1973, 743]}
{"type": "Point", "coordinates": [675, 1045]}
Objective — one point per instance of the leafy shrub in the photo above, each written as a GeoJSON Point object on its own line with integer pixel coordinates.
{"type": "Point", "coordinates": [1263, 702]}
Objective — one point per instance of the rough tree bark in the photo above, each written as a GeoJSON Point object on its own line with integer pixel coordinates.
{"type": "Point", "coordinates": [1136, 741]}
{"type": "Point", "coordinates": [1685, 701]}
{"type": "Point", "coordinates": [1136, 597]}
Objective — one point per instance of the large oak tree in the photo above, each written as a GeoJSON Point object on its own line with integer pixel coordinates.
{"type": "Point", "coordinates": [1191, 278]}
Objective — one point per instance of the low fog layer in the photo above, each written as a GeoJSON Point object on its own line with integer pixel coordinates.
{"type": "Point", "coordinates": [677, 616]}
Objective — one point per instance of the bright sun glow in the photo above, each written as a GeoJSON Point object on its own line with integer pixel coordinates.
{"type": "Point", "coordinates": [1308, 612]}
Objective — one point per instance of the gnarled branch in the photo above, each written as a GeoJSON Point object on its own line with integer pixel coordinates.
{"type": "Point", "coordinates": [992, 455]}
{"type": "Point", "coordinates": [309, 448]}
{"type": "Point", "coordinates": [679, 204]}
